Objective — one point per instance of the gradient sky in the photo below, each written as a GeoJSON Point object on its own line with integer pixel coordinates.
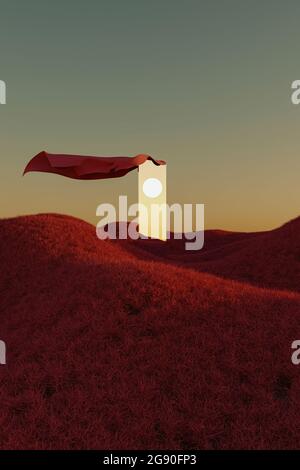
{"type": "Point", "coordinates": [204, 85]}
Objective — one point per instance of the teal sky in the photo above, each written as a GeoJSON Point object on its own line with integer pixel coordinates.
{"type": "Point", "coordinates": [204, 85]}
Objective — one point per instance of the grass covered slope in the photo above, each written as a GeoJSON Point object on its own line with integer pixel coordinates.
{"type": "Point", "coordinates": [108, 350]}
{"type": "Point", "coordinates": [267, 259]}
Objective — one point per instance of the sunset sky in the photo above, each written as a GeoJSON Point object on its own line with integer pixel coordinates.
{"type": "Point", "coordinates": [204, 85]}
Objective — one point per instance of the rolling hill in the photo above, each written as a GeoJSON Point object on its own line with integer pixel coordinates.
{"type": "Point", "coordinates": [267, 259]}
{"type": "Point", "coordinates": [114, 346]}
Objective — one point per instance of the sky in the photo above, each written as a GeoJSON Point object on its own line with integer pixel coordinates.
{"type": "Point", "coordinates": [204, 85]}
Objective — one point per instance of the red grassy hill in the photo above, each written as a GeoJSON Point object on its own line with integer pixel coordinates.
{"type": "Point", "coordinates": [267, 259]}
{"type": "Point", "coordinates": [107, 350]}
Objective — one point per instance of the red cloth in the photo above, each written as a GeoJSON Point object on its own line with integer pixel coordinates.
{"type": "Point", "coordinates": [85, 167]}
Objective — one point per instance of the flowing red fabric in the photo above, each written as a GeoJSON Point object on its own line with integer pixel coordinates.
{"type": "Point", "coordinates": [85, 167]}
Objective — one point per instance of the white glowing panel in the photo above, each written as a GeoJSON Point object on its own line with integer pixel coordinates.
{"type": "Point", "coordinates": [153, 198]}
